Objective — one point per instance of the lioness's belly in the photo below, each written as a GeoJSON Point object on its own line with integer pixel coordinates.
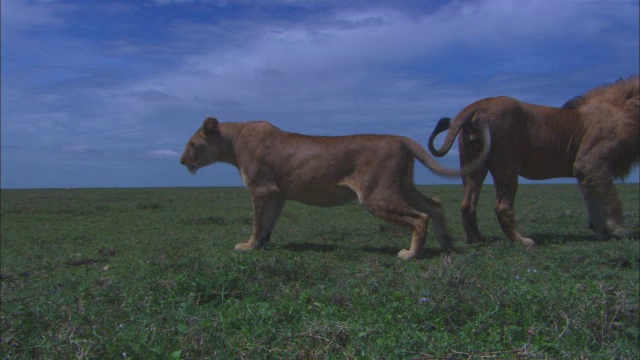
{"type": "Point", "coordinates": [320, 195]}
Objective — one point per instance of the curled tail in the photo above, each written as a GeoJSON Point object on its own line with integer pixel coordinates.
{"type": "Point", "coordinates": [465, 117]}
{"type": "Point", "coordinates": [442, 125]}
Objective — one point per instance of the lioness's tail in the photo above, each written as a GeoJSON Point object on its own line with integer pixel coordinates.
{"type": "Point", "coordinates": [454, 128]}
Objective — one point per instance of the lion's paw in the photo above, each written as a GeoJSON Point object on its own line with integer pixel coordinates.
{"type": "Point", "coordinates": [446, 242]}
{"type": "Point", "coordinates": [405, 254]}
{"type": "Point", "coordinates": [616, 231]}
{"type": "Point", "coordinates": [245, 246]}
{"type": "Point", "coordinates": [475, 239]}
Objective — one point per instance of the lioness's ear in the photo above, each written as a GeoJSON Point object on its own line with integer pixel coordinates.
{"type": "Point", "coordinates": [210, 126]}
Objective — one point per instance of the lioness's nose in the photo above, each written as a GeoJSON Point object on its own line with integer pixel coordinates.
{"type": "Point", "coordinates": [182, 161]}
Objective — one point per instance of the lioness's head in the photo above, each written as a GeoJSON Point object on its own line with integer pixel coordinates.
{"type": "Point", "coordinates": [201, 150]}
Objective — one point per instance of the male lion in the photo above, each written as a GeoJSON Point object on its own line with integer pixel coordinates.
{"type": "Point", "coordinates": [594, 137]}
{"type": "Point", "coordinates": [324, 171]}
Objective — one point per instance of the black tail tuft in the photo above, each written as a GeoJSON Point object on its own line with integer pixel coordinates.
{"type": "Point", "coordinates": [443, 124]}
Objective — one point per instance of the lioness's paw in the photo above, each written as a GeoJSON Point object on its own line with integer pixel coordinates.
{"type": "Point", "coordinates": [245, 246]}
{"type": "Point", "coordinates": [405, 254]}
{"type": "Point", "coordinates": [528, 242]}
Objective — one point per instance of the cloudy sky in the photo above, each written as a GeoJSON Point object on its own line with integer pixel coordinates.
{"type": "Point", "coordinates": [106, 93]}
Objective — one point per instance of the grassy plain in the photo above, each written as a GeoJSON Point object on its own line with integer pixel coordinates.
{"type": "Point", "coordinates": [150, 273]}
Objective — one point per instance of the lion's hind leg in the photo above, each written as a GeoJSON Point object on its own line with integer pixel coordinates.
{"type": "Point", "coordinates": [506, 188]}
{"type": "Point", "coordinates": [472, 184]}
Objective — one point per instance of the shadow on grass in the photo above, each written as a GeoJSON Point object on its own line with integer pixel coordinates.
{"type": "Point", "coordinates": [386, 250]}
{"type": "Point", "coordinates": [543, 239]}
{"type": "Point", "coordinates": [307, 246]}
{"type": "Point", "coordinates": [381, 249]}
{"type": "Point", "coordinates": [389, 250]}
{"type": "Point", "coordinates": [548, 238]}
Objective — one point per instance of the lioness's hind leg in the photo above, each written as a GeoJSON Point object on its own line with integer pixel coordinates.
{"type": "Point", "coordinates": [396, 211]}
{"type": "Point", "coordinates": [418, 238]}
{"type": "Point", "coordinates": [433, 208]}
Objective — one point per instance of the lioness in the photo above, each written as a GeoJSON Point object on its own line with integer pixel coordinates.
{"type": "Point", "coordinates": [324, 171]}
{"type": "Point", "coordinates": [594, 137]}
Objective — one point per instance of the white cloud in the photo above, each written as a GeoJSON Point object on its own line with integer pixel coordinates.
{"type": "Point", "coordinates": [163, 154]}
{"type": "Point", "coordinates": [128, 84]}
{"type": "Point", "coordinates": [24, 16]}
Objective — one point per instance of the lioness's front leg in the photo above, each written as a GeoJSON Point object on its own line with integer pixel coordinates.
{"type": "Point", "coordinates": [266, 210]}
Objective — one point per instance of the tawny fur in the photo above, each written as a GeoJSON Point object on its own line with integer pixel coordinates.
{"type": "Point", "coordinates": [594, 138]}
{"type": "Point", "coordinates": [276, 166]}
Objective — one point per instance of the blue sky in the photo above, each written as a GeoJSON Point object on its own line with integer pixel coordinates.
{"type": "Point", "coordinates": [106, 93]}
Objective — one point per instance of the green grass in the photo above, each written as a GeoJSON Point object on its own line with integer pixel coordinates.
{"type": "Point", "coordinates": [150, 273]}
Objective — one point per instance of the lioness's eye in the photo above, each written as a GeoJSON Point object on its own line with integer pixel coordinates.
{"type": "Point", "coordinates": [192, 144]}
